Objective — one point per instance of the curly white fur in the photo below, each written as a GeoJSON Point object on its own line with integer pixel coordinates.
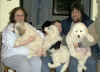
{"type": "Point", "coordinates": [59, 56]}
{"type": "Point", "coordinates": [77, 33]}
{"type": "Point", "coordinates": [29, 32]}
{"type": "Point", "coordinates": [52, 37]}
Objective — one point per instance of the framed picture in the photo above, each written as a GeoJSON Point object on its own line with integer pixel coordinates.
{"type": "Point", "coordinates": [62, 7]}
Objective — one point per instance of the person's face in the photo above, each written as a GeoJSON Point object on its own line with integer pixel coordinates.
{"type": "Point", "coordinates": [58, 25]}
{"type": "Point", "coordinates": [76, 15]}
{"type": "Point", "coordinates": [19, 16]}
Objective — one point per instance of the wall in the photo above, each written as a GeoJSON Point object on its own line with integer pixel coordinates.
{"type": "Point", "coordinates": [93, 9]}
{"type": "Point", "coordinates": [40, 10]}
{"type": "Point", "coordinates": [95, 16]}
{"type": "Point", "coordinates": [5, 7]}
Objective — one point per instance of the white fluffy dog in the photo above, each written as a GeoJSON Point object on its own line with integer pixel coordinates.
{"type": "Point", "coordinates": [25, 31]}
{"type": "Point", "coordinates": [53, 35]}
{"type": "Point", "coordinates": [77, 34]}
{"type": "Point", "coordinates": [60, 55]}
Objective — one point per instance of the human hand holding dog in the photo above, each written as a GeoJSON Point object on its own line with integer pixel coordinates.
{"type": "Point", "coordinates": [40, 52]}
{"type": "Point", "coordinates": [76, 45]}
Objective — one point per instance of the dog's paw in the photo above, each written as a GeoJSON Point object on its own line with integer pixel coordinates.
{"type": "Point", "coordinates": [85, 68]}
{"type": "Point", "coordinates": [50, 65]}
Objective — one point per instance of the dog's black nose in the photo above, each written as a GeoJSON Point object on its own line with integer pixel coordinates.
{"type": "Point", "coordinates": [78, 36]}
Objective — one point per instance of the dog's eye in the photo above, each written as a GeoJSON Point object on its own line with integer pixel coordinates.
{"type": "Point", "coordinates": [81, 31]}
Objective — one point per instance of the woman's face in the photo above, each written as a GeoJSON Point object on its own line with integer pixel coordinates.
{"type": "Point", "coordinates": [76, 15]}
{"type": "Point", "coordinates": [58, 25]}
{"type": "Point", "coordinates": [19, 16]}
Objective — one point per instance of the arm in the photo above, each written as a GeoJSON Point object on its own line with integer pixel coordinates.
{"type": "Point", "coordinates": [22, 41]}
{"type": "Point", "coordinates": [8, 38]}
{"type": "Point", "coordinates": [93, 32]}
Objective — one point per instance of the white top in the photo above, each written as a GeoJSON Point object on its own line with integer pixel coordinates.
{"type": "Point", "coordinates": [8, 41]}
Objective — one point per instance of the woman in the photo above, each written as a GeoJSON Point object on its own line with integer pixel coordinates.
{"type": "Point", "coordinates": [78, 15]}
{"type": "Point", "coordinates": [16, 56]}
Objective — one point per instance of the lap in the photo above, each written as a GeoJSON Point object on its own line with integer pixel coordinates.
{"type": "Point", "coordinates": [19, 62]}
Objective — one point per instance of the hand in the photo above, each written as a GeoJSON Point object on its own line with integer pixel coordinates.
{"type": "Point", "coordinates": [40, 52]}
{"type": "Point", "coordinates": [76, 45]}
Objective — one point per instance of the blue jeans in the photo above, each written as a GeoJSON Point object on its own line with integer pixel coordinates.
{"type": "Point", "coordinates": [21, 63]}
{"type": "Point", "coordinates": [45, 61]}
{"type": "Point", "coordinates": [91, 64]}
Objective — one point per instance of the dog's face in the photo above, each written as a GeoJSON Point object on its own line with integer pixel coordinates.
{"type": "Point", "coordinates": [80, 31]}
{"type": "Point", "coordinates": [51, 30]}
{"type": "Point", "coordinates": [20, 28]}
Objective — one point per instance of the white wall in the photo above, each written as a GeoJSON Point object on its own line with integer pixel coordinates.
{"type": "Point", "coordinates": [5, 7]}
{"type": "Point", "coordinates": [94, 9]}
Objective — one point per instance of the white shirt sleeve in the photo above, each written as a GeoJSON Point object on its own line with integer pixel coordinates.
{"type": "Point", "coordinates": [8, 39]}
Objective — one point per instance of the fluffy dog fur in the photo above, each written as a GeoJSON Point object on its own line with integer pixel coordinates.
{"type": "Point", "coordinates": [25, 31]}
{"type": "Point", "coordinates": [77, 34]}
{"type": "Point", "coordinates": [52, 37]}
{"type": "Point", "coordinates": [60, 56]}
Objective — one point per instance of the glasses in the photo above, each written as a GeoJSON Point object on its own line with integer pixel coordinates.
{"type": "Point", "coordinates": [19, 15]}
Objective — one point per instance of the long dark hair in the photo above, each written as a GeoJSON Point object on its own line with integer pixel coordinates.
{"type": "Point", "coordinates": [77, 5]}
{"type": "Point", "coordinates": [84, 17]}
{"type": "Point", "coordinates": [12, 14]}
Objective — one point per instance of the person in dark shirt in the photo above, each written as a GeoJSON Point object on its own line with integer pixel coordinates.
{"type": "Point", "coordinates": [78, 15]}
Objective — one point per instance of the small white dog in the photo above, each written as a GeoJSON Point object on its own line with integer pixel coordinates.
{"type": "Point", "coordinates": [52, 36]}
{"type": "Point", "coordinates": [77, 34]}
{"type": "Point", "coordinates": [60, 55]}
{"type": "Point", "coordinates": [25, 31]}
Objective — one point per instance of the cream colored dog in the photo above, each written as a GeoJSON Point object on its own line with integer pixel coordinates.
{"type": "Point", "coordinates": [25, 31]}
{"type": "Point", "coordinates": [77, 34]}
{"type": "Point", "coordinates": [60, 56]}
{"type": "Point", "coordinates": [52, 37]}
